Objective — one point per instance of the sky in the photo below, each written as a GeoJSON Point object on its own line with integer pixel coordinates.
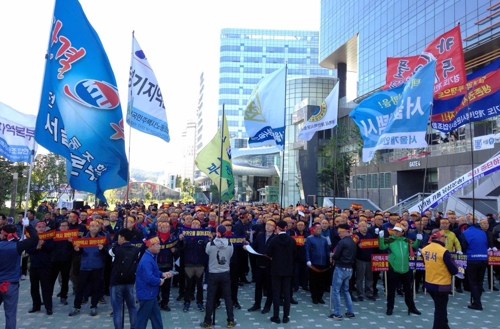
{"type": "Point", "coordinates": [180, 39]}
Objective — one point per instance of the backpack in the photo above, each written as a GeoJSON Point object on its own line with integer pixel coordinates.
{"type": "Point", "coordinates": [125, 264]}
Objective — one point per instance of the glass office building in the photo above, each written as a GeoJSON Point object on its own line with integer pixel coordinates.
{"type": "Point", "coordinates": [358, 36]}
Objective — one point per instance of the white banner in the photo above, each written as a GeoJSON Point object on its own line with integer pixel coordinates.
{"type": "Point", "coordinates": [484, 142]}
{"type": "Point", "coordinates": [17, 131]}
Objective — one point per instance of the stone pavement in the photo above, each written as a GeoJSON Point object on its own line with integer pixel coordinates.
{"type": "Point", "coordinates": [369, 314]}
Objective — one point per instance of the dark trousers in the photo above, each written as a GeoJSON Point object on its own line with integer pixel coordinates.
{"type": "Point", "coordinates": [262, 283]}
{"type": "Point", "coordinates": [376, 277]}
{"type": "Point", "coordinates": [193, 282]}
{"type": "Point", "coordinates": [216, 281]}
{"type": "Point", "coordinates": [281, 287]}
{"type": "Point", "coordinates": [64, 268]}
{"type": "Point", "coordinates": [475, 275]}
{"type": "Point", "coordinates": [419, 280]}
{"type": "Point", "coordinates": [233, 274]}
{"type": "Point", "coordinates": [242, 263]}
{"type": "Point", "coordinates": [107, 274]}
{"type": "Point", "coordinates": [75, 271]}
{"type": "Point", "coordinates": [92, 279]}
{"type": "Point", "coordinates": [40, 277]}
{"type": "Point", "coordinates": [301, 276]}
{"type": "Point", "coordinates": [440, 309]}
{"type": "Point", "coordinates": [24, 265]}
{"type": "Point", "coordinates": [318, 282]}
{"type": "Point", "coordinates": [165, 288]}
{"type": "Point", "coordinates": [406, 279]}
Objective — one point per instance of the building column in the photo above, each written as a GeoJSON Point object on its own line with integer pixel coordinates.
{"type": "Point", "coordinates": [342, 75]}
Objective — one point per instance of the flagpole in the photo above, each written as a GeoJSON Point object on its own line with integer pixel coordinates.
{"type": "Point", "coordinates": [131, 102]}
{"type": "Point", "coordinates": [221, 135]}
{"type": "Point", "coordinates": [284, 144]}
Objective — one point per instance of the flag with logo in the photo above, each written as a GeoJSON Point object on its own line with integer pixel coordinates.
{"type": "Point", "coordinates": [265, 111]}
{"type": "Point", "coordinates": [396, 118]}
{"type": "Point", "coordinates": [80, 116]}
{"type": "Point", "coordinates": [17, 133]}
{"type": "Point", "coordinates": [325, 117]}
{"type": "Point", "coordinates": [217, 166]}
{"type": "Point", "coordinates": [146, 110]}
{"type": "Point", "coordinates": [399, 70]}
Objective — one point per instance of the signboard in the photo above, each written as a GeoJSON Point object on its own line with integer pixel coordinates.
{"type": "Point", "coordinates": [380, 263]}
{"type": "Point", "coordinates": [493, 257]}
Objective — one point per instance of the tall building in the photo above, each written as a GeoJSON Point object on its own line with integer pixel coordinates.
{"type": "Point", "coordinates": [358, 36]}
{"type": "Point", "coordinates": [188, 154]}
{"type": "Point", "coordinates": [199, 116]}
{"type": "Point", "coordinates": [246, 56]}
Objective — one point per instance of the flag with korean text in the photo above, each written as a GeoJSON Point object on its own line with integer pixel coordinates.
{"type": "Point", "coordinates": [265, 111]}
{"type": "Point", "coordinates": [396, 118]}
{"type": "Point", "coordinates": [216, 165]}
{"type": "Point", "coordinates": [80, 116]}
{"type": "Point", "coordinates": [17, 133]}
{"type": "Point", "coordinates": [145, 110]}
{"type": "Point", "coordinates": [399, 70]}
{"type": "Point", "coordinates": [325, 117]}
{"type": "Point", "coordinates": [482, 100]}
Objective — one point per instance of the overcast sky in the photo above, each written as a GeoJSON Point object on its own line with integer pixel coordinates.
{"type": "Point", "coordinates": [179, 37]}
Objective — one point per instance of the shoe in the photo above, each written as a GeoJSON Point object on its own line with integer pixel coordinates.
{"type": "Point", "coordinates": [354, 298]}
{"type": "Point", "coordinates": [389, 311]}
{"type": "Point", "coordinates": [335, 317]}
{"type": "Point", "coordinates": [85, 300]}
{"type": "Point", "coordinates": [75, 311]}
{"type": "Point", "coordinates": [186, 307]}
{"type": "Point", "coordinates": [231, 324]}
{"type": "Point", "coordinates": [240, 284]}
{"type": "Point", "coordinates": [49, 312]}
{"type": "Point", "coordinates": [58, 295]}
{"type": "Point", "coordinates": [371, 298]}
{"type": "Point", "coordinates": [205, 287]}
{"type": "Point", "coordinates": [275, 319]}
{"type": "Point", "coordinates": [33, 310]}
{"type": "Point", "coordinates": [360, 299]}
{"type": "Point", "coordinates": [217, 304]}
{"type": "Point", "coordinates": [293, 301]}
{"type": "Point", "coordinates": [495, 288]}
{"type": "Point", "coordinates": [315, 301]}
{"type": "Point", "coordinates": [102, 300]}
{"type": "Point", "coordinates": [349, 315]}
{"type": "Point", "coordinates": [475, 307]}
{"type": "Point", "coordinates": [200, 307]}
{"type": "Point", "coordinates": [179, 298]}
{"type": "Point", "coordinates": [286, 319]}
{"type": "Point", "coordinates": [254, 308]}
{"type": "Point", "coordinates": [414, 311]}
{"type": "Point", "coordinates": [63, 301]}
{"type": "Point", "coordinates": [237, 305]}
{"type": "Point", "coordinates": [23, 277]}
{"type": "Point", "coordinates": [321, 301]}
{"type": "Point", "coordinates": [165, 308]}
{"type": "Point", "coordinates": [459, 290]}
{"type": "Point", "coordinates": [93, 311]}
{"type": "Point", "coordinates": [205, 325]}
{"type": "Point", "coordinates": [265, 310]}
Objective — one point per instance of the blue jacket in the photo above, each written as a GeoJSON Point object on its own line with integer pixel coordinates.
{"type": "Point", "coordinates": [147, 277]}
{"type": "Point", "coordinates": [317, 251]}
{"type": "Point", "coordinates": [11, 256]}
{"type": "Point", "coordinates": [92, 257]}
{"type": "Point", "coordinates": [476, 244]}
{"type": "Point", "coordinates": [194, 251]}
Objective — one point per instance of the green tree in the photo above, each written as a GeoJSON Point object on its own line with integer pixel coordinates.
{"type": "Point", "coordinates": [178, 181]}
{"type": "Point", "coordinates": [148, 195]}
{"type": "Point", "coordinates": [47, 176]}
{"type": "Point", "coordinates": [188, 187]}
{"type": "Point", "coordinates": [5, 180]}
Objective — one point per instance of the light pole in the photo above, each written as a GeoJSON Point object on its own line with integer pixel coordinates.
{"type": "Point", "coordinates": [13, 194]}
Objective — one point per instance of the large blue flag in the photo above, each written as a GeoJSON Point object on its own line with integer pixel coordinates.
{"type": "Point", "coordinates": [265, 111]}
{"type": "Point", "coordinates": [397, 118]}
{"type": "Point", "coordinates": [80, 116]}
{"type": "Point", "coordinates": [146, 110]}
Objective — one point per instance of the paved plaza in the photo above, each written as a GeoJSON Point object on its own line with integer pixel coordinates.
{"type": "Point", "coordinates": [369, 314]}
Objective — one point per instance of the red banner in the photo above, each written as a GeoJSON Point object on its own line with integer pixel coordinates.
{"type": "Point", "coordinates": [89, 242]}
{"type": "Point", "coordinates": [368, 243]}
{"type": "Point", "coordinates": [46, 235]}
{"type": "Point", "coordinates": [356, 206]}
{"type": "Point", "coordinates": [300, 240]}
{"type": "Point", "coordinates": [493, 257]}
{"type": "Point", "coordinates": [65, 235]}
{"type": "Point", "coordinates": [380, 263]}
{"type": "Point", "coordinates": [399, 70]}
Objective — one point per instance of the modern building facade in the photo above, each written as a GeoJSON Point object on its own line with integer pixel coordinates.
{"type": "Point", "coordinates": [246, 56]}
{"type": "Point", "coordinates": [188, 152]}
{"type": "Point", "coordinates": [358, 36]}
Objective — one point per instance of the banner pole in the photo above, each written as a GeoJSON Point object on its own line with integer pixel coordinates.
{"type": "Point", "coordinates": [283, 152]}
{"type": "Point", "coordinates": [129, 117]}
{"type": "Point", "coordinates": [221, 135]}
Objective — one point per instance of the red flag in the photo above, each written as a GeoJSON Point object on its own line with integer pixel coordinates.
{"type": "Point", "coordinates": [399, 69]}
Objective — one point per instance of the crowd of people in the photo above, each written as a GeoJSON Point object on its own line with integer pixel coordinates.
{"type": "Point", "coordinates": [136, 253]}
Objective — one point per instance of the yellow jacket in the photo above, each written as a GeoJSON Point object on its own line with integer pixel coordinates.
{"type": "Point", "coordinates": [452, 243]}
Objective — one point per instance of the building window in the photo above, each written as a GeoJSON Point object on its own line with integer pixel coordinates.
{"type": "Point", "coordinates": [229, 101]}
{"type": "Point", "coordinates": [255, 49]}
{"type": "Point", "coordinates": [297, 71]}
{"type": "Point", "coordinates": [229, 70]}
{"type": "Point", "coordinates": [229, 48]}
{"type": "Point", "coordinates": [297, 61]}
{"type": "Point", "coordinates": [275, 49]}
{"type": "Point", "coordinates": [295, 50]}
{"type": "Point", "coordinates": [226, 59]}
{"type": "Point", "coordinates": [232, 91]}
{"type": "Point", "coordinates": [252, 81]}
{"type": "Point", "coordinates": [252, 59]}
{"type": "Point", "coordinates": [252, 70]}
{"type": "Point", "coordinates": [229, 80]}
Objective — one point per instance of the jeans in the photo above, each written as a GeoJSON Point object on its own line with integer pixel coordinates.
{"type": "Point", "coordinates": [340, 283]}
{"type": "Point", "coordinates": [440, 309]}
{"type": "Point", "coordinates": [149, 310]}
{"type": "Point", "coordinates": [10, 299]}
{"type": "Point", "coordinates": [120, 294]}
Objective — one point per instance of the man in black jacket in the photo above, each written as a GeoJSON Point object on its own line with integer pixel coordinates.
{"type": "Point", "coordinates": [61, 263]}
{"type": "Point", "coordinates": [344, 258]}
{"type": "Point", "coordinates": [282, 251]}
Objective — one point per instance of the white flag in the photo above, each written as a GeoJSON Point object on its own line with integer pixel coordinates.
{"type": "Point", "coordinates": [325, 117]}
{"type": "Point", "coordinates": [17, 131]}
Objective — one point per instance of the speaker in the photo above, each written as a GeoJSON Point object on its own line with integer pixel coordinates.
{"type": "Point", "coordinates": [78, 205]}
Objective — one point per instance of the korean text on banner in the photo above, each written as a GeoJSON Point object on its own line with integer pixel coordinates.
{"type": "Point", "coordinates": [17, 131]}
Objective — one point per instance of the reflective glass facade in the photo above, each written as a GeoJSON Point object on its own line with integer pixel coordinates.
{"type": "Point", "coordinates": [393, 28]}
{"type": "Point", "coordinates": [247, 55]}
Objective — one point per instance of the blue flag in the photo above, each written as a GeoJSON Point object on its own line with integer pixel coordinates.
{"type": "Point", "coordinates": [80, 116]}
{"type": "Point", "coordinates": [146, 110]}
{"type": "Point", "coordinates": [397, 118]}
{"type": "Point", "coordinates": [265, 111]}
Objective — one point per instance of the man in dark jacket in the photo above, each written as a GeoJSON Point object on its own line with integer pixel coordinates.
{"type": "Point", "coordinates": [344, 258]}
{"type": "Point", "coordinates": [476, 246]}
{"type": "Point", "coordinates": [61, 263]}
{"type": "Point", "coordinates": [317, 259]}
{"type": "Point", "coordinates": [282, 251]}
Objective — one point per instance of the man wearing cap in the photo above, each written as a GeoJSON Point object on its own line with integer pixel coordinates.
{"type": "Point", "coordinates": [12, 248]}
{"type": "Point", "coordinates": [439, 268]}
{"type": "Point", "coordinates": [219, 251]}
{"type": "Point", "coordinates": [148, 280]}
{"type": "Point", "coordinates": [282, 250]}
{"type": "Point", "coordinates": [318, 260]}
{"type": "Point", "coordinates": [400, 249]}
{"type": "Point", "coordinates": [344, 257]}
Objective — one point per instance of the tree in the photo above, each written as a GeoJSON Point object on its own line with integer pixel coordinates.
{"type": "Point", "coordinates": [5, 180]}
{"type": "Point", "coordinates": [148, 195]}
{"type": "Point", "coordinates": [178, 181]}
{"type": "Point", "coordinates": [47, 176]}
{"type": "Point", "coordinates": [188, 187]}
